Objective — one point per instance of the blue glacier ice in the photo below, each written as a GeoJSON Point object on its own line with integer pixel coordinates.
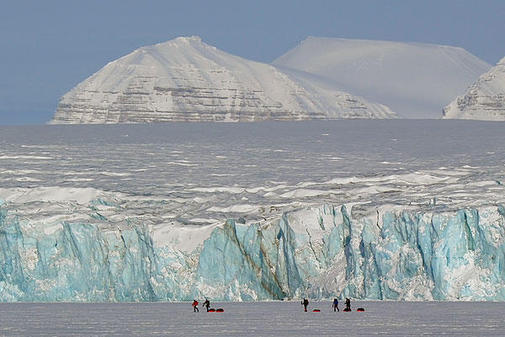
{"type": "Point", "coordinates": [318, 252]}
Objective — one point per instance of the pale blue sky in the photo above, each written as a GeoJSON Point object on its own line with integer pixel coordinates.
{"type": "Point", "coordinates": [49, 46]}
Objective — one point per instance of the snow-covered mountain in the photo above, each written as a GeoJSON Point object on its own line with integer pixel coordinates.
{"type": "Point", "coordinates": [484, 100]}
{"type": "Point", "coordinates": [415, 80]}
{"type": "Point", "coordinates": [187, 80]}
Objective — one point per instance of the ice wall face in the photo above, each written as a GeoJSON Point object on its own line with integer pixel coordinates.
{"type": "Point", "coordinates": [318, 252]}
{"type": "Point", "coordinates": [484, 100]}
{"type": "Point", "coordinates": [187, 80]}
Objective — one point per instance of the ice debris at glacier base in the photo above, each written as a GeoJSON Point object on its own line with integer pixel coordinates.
{"type": "Point", "coordinates": [316, 252]}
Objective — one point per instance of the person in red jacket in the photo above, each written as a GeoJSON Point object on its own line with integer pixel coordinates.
{"type": "Point", "coordinates": [195, 306]}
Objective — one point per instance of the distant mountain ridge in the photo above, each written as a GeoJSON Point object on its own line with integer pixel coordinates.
{"type": "Point", "coordinates": [484, 100]}
{"type": "Point", "coordinates": [187, 80]}
{"type": "Point", "coordinates": [415, 80]}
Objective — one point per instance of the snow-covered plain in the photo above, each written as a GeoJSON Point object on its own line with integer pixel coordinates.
{"type": "Point", "coordinates": [136, 212]}
{"type": "Point", "coordinates": [253, 319]}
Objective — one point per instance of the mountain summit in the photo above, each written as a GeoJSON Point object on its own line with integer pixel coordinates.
{"type": "Point", "coordinates": [187, 80]}
{"type": "Point", "coordinates": [416, 80]}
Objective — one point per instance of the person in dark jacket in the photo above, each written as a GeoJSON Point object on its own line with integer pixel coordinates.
{"type": "Point", "coordinates": [335, 305]}
{"type": "Point", "coordinates": [347, 304]}
{"type": "Point", "coordinates": [305, 304]}
{"type": "Point", "coordinates": [206, 304]}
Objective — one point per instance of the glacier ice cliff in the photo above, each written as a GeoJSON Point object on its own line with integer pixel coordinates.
{"type": "Point", "coordinates": [319, 252]}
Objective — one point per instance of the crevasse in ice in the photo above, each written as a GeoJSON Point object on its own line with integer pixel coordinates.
{"type": "Point", "coordinates": [316, 252]}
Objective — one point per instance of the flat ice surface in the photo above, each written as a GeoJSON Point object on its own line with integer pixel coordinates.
{"type": "Point", "coordinates": [197, 173]}
{"type": "Point", "coordinates": [253, 319]}
{"type": "Point", "coordinates": [152, 157]}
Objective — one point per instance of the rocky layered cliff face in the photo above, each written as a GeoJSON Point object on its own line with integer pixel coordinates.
{"type": "Point", "coordinates": [484, 100]}
{"type": "Point", "coordinates": [187, 80]}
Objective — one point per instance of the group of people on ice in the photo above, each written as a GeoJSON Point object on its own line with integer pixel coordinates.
{"type": "Point", "coordinates": [305, 303]}
{"type": "Point", "coordinates": [205, 304]}
{"type": "Point", "coordinates": [334, 305]}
